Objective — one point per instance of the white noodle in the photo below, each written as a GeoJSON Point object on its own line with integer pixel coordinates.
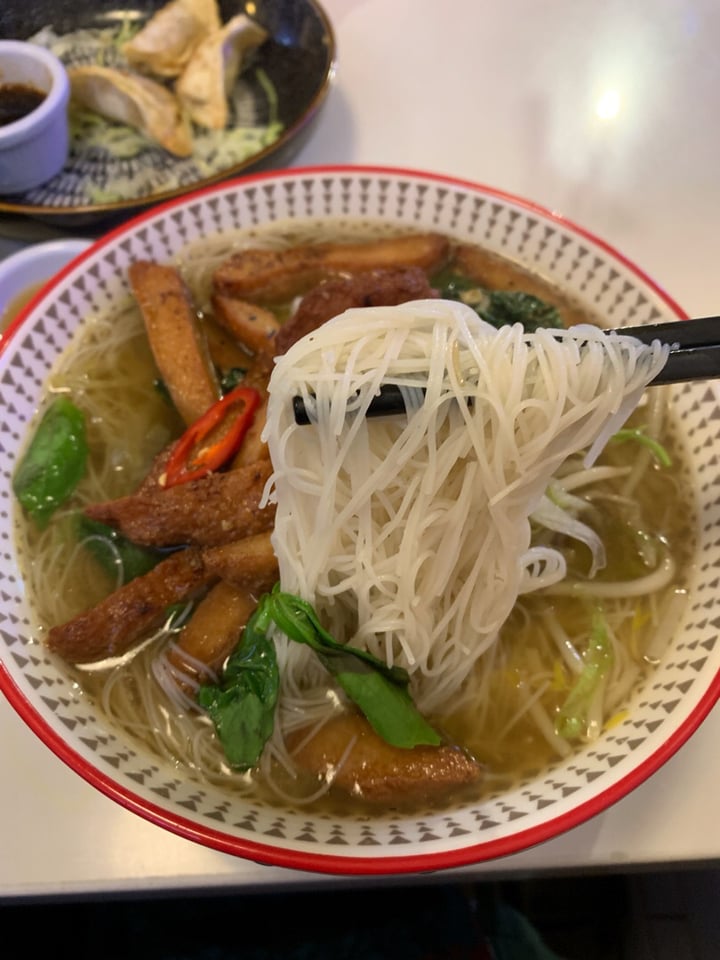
{"type": "Point", "coordinates": [411, 534]}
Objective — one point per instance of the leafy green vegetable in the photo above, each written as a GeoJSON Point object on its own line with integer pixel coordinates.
{"type": "Point", "coordinates": [242, 705]}
{"type": "Point", "coordinates": [514, 306]}
{"type": "Point", "coordinates": [498, 307]}
{"type": "Point", "coordinates": [54, 462]}
{"type": "Point", "coordinates": [572, 720]}
{"type": "Point", "coordinates": [381, 692]}
{"type": "Point", "coordinates": [114, 552]}
{"type": "Point", "coordinates": [639, 436]}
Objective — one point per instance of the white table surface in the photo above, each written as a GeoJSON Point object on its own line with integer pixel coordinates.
{"type": "Point", "coordinates": [508, 94]}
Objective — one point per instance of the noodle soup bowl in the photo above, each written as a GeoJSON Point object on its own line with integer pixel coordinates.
{"type": "Point", "coordinates": [660, 712]}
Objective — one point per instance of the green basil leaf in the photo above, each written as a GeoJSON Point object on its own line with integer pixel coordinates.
{"type": "Point", "coordinates": [381, 692]}
{"type": "Point", "coordinates": [242, 706]}
{"type": "Point", "coordinates": [53, 463]}
{"type": "Point", "coordinates": [298, 620]}
{"type": "Point", "coordinates": [115, 552]}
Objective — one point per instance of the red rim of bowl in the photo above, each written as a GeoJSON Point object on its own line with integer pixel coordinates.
{"type": "Point", "coordinates": [323, 862]}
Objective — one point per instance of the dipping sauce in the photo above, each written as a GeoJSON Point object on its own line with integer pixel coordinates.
{"type": "Point", "coordinates": [17, 100]}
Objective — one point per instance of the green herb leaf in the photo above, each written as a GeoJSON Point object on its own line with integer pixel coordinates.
{"type": "Point", "coordinates": [114, 552]}
{"type": "Point", "coordinates": [381, 692]}
{"type": "Point", "coordinates": [513, 306]}
{"type": "Point", "coordinates": [498, 307]}
{"type": "Point", "coordinates": [242, 706]}
{"type": "Point", "coordinates": [54, 462]}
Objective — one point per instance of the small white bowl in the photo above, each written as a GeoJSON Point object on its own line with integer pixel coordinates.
{"type": "Point", "coordinates": [35, 147]}
{"type": "Point", "coordinates": [23, 273]}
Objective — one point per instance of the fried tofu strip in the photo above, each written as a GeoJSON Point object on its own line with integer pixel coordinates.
{"type": "Point", "coordinates": [218, 508]}
{"type": "Point", "coordinates": [377, 772]}
{"type": "Point", "coordinates": [497, 273]}
{"type": "Point", "coordinates": [211, 633]}
{"type": "Point", "coordinates": [251, 324]}
{"type": "Point", "coordinates": [225, 349]}
{"type": "Point", "coordinates": [131, 613]}
{"type": "Point", "coordinates": [249, 569]}
{"type": "Point", "coordinates": [176, 340]}
{"type": "Point", "coordinates": [247, 562]}
{"type": "Point", "coordinates": [278, 275]}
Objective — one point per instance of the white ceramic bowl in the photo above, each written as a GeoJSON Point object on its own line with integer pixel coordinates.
{"type": "Point", "coordinates": [34, 148]}
{"type": "Point", "coordinates": [24, 272]}
{"type": "Point", "coordinates": [663, 711]}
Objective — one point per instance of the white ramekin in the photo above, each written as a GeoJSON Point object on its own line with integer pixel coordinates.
{"type": "Point", "coordinates": [34, 148]}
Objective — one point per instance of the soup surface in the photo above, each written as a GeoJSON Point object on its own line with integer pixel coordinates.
{"type": "Point", "coordinates": [509, 716]}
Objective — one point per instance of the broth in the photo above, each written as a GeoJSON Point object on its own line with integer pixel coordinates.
{"type": "Point", "coordinates": [507, 746]}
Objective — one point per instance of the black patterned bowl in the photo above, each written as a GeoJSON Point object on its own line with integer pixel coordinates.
{"type": "Point", "coordinates": [663, 711]}
{"type": "Point", "coordinates": [275, 103]}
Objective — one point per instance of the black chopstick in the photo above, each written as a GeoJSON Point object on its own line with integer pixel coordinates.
{"type": "Point", "coordinates": [694, 355]}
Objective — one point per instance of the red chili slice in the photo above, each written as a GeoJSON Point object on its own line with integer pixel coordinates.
{"type": "Point", "coordinates": [187, 463]}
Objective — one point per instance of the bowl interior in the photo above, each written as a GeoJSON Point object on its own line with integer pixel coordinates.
{"type": "Point", "coordinates": [664, 709]}
{"type": "Point", "coordinates": [23, 273]}
{"type": "Point", "coordinates": [21, 68]}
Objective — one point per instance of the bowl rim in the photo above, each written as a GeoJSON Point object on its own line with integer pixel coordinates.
{"type": "Point", "coordinates": [330, 863]}
{"type": "Point", "coordinates": [15, 267]}
{"type": "Point", "coordinates": [55, 98]}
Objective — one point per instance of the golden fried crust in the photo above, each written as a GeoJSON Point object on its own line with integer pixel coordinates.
{"type": "Point", "coordinates": [218, 508]}
{"type": "Point", "coordinates": [175, 338]}
{"type": "Point", "coordinates": [276, 275]}
{"type": "Point", "coordinates": [212, 632]}
{"type": "Point", "coordinates": [377, 772]}
{"type": "Point", "coordinates": [129, 614]}
{"type": "Point", "coordinates": [375, 288]}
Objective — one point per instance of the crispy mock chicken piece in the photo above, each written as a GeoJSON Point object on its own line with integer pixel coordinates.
{"type": "Point", "coordinates": [375, 288]}
{"type": "Point", "coordinates": [251, 324]}
{"type": "Point", "coordinates": [495, 273]}
{"type": "Point", "coordinates": [377, 772]}
{"type": "Point", "coordinates": [129, 614]}
{"type": "Point", "coordinates": [211, 633]}
{"type": "Point", "coordinates": [280, 274]}
{"type": "Point", "coordinates": [218, 508]}
{"type": "Point", "coordinates": [177, 343]}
